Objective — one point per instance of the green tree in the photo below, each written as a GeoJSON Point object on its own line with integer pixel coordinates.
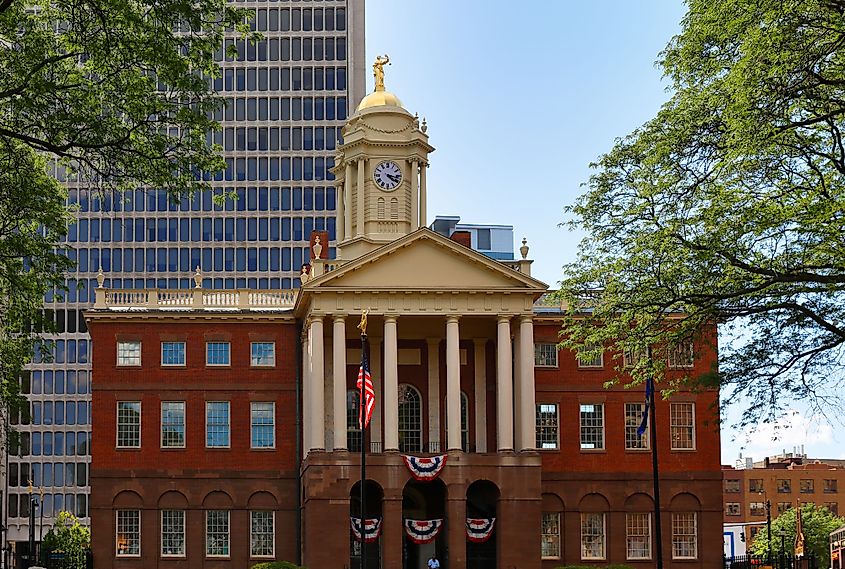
{"type": "Point", "coordinates": [110, 95]}
{"type": "Point", "coordinates": [70, 539]}
{"type": "Point", "coordinates": [728, 207]}
{"type": "Point", "coordinates": [817, 522]}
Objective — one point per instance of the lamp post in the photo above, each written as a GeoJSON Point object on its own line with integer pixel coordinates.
{"type": "Point", "coordinates": [782, 545]}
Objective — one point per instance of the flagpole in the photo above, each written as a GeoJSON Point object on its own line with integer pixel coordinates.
{"type": "Point", "coordinates": [654, 468]}
{"type": "Point", "coordinates": [362, 423]}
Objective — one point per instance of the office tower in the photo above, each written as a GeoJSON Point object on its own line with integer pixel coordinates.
{"type": "Point", "coordinates": [287, 97]}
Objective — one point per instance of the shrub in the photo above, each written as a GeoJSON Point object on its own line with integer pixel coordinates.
{"type": "Point", "coordinates": [277, 565]}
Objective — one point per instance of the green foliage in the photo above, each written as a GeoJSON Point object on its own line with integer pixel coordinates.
{"type": "Point", "coordinates": [817, 521]}
{"type": "Point", "coordinates": [71, 539]}
{"type": "Point", "coordinates": [728, 207]}
{"type": "Point", "coordinates": [277, 565]}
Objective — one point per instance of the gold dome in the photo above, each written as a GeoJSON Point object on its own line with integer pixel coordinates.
{"type": "Point", "coordinates": [379, 98]}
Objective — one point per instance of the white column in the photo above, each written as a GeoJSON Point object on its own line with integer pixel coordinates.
{"type": "Point", "coordinates": [318, 406]}
{"type": "Point", "coordinates": [453, 383]}
{"type": "Point", "coordinates": [517, 371]}
{"type": "Point", "coordinates": [415, 198]}
{"type": "Point", "coordinates": [339, 231]}
{"type": "Point", "coordinates": [504, 385]}
{"type": "Point", "coordinates": [480, 354]}
{"type": "Point", "coordinates": [339, 376]}
{"type": "Point", "coordinates": [375, 371]}
{"type": "Point", "coordinates": [306, 391]}
{"type": "Point", "coordinates": [433, 391]}
{"type": "Point", "coordinates": [347, 196]}
{"type": "Point", "coordinates": [360, 195]}
{"type": "Point", "coordinates": [391, 385]}
{"type": "Point", "coordinates": [526, 384]}
{"type": "Point", "coordinates": [423, 204]}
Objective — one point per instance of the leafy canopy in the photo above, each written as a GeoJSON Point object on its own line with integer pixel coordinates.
{"type": "Point", "coordinates": [69, 538]}
{"type": "Point", "coordinates": [817, 522]}
{"type": "Point", "coordinates": [728, 207]}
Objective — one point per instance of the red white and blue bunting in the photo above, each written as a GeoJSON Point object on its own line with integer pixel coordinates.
{"type": "Point", "coordinates": [479, 530]}
{"type": "Point", "coordinates": [423, 531]}
{"type": "Point", "coordinates": [426, 468]}
{"type": "Point", "coordinates": [372, 527]}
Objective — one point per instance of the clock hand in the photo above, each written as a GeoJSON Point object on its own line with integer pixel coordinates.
{"type": "Point", "coordinates": [393, 178]}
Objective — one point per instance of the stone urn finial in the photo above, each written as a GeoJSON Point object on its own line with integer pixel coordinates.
{"type": "Point", "coordinates": [304, 277]}
{"type": "Point", "coordinates": [524, 249]}
{"type": "Point", "coordinates": [101, 278]}
{"type": "Point", "coordinates": [317, 248]}
{"type": "Point", "coordinates": [424, 127]}
{"type": "Point", "coordinates": [198, 278]}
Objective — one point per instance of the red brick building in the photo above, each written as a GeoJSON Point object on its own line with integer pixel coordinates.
{"type": "Point", "coordinates": [225, 428]}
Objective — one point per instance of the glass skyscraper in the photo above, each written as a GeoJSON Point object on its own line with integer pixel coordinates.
{"type": "Point", "coordinates": [287, 97]}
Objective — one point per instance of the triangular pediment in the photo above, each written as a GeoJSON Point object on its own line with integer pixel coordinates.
{"type": "Point", "coordinates": [425, 260]}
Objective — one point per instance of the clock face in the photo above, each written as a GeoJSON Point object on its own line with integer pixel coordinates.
{"type": "Point", "coordinates": [387, 175]}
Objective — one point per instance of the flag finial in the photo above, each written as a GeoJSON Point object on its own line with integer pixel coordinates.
{"type": "Point", "coordinates": [362, 326]}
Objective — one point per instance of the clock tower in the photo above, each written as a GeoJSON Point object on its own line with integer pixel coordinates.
{"type": "Point", "coordinates": [380, 172]}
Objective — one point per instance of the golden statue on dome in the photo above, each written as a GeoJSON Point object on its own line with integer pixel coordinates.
{"type": "Point", "coordinates": [378, 70]}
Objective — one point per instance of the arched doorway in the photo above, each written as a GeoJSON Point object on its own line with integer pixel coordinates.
{"type": "Point", "coordinates": [423, 501]}
{"type": "Point", "coordinates": [482, 499]}
{"type": "Point", "coordinates": [372, 509]}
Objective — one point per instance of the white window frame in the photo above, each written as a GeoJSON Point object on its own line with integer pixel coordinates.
{"type": "Point", "coordinates": [681, 356]}
{"type": "Point", "coordinates": [127, 350]}
{"type": "Point", "coordinates": [118, 424]}
{"type": "Point", "coordinates": [585, 552]}
{"type": "Point", "coordinates": [542, 425]}
{"type": "Point", "coordinates": [184, 355]}
{"type": "Point", "coordinates": [228, 535]}
{"type": "Point", "coordinates": [674, 425]}
{"type": "Point", "coordinates": [544, 352]}
{"type": "Point", "coordinates": [252, 358]}
{"type": "Point", "coordinates": [733, 509]}
{"type": "Point", "coordinates": [630, 357]}
{"type": "Point", "coordinates": [633, 419]}
{"type": "Point", "coordinates": [117, 532]}
{"type": "Point", "coordinates": [630, 517]}
{"type": "Point", "coordinates": [272, 534]}
{"type": "Point", "coordinates": [228, 424]}
{"type": "Point", "coordinates": [677, 537]}
{"type": "Point", "coordinates": [228, 354]}
{"type": "Point", "coordinates": [163, 539]}
{"type": "Point", "coordinates": [756, 509]}
{"type": "Point", "coordinates": [595, 363]}
{"type": "Point", "coordinates": [588, 428]}
{"type": "Point", "coordinates": [184, 427]}
{"type": "Point", "coordinates": [252, 424]}
{"type": "Point", "coordinates": [550, 538]}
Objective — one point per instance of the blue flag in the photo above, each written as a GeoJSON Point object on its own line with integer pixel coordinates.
{"type": "Point", "coordinates": [649, 388]}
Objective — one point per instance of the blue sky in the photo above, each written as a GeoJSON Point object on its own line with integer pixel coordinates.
{"type": "Point", "coordinates": [520, 98]}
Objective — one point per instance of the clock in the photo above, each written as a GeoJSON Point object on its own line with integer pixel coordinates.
{"type": "Point", "coordinates": [387, 175]}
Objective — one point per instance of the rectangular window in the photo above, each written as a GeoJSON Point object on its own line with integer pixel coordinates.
{"type": "Point", "coordinates": [784, 486]}
{"type": "Point", "coordinates": [128, 533]}
{"type": "Point", "coordinates": [684, 536]}
{"type": "Point", "coordinates": [682, 426]}
{"type": "Point", "coordinates": [173, 353]}
{"type": "Point", "coordinates": [633, 420]}
{"type": "Point", "coordinates": [783, 506]}
{"type": "Point", "coordinates": [547, 426]}
{"type": "Point", "coordinates": [638, 535]}
{"type": "Point", "coordinates": [128, 424]}
{"type": "Point", "coordinates": [757, 509]}
{"type": "Point", "coordinates": [592, 536]}
{"type": "Point", "coordinates": [217, 424]}
{"type": "Point", "coordinates": [733, 485]}
{"type": "Point", "coordinates": [591, 356]}
{"type": "Point", "coordinates": [830, 486]}
{"type": "Point", "coordinates": [630, 357]}
{"type": "Point", "coordinates": [681, 356]}
{"type": "Point", "coordinates": [261, 534]}
{"type": "Point", "coordinates": [263, 425]}
{"type": "Point", "coordinates": [592, 426]}
{"type": "Point", "coordinates": [172, 424]}
{"type": "Point", "coordinates": [173, 533]}
{"type": "Point", "coordinates": [808, 486]}
{"type": "Point", "coordinates": [484, 241]}
{"type": "Point", "coordinates": [129, 353]}
{"type": "Point", "coordinates": [545, 355]}
{"type": "Point", "coordinates": [217, 353]}
{"type": "Point", "coordinates": [217, 533]}
{"type": "Point", "coordinates": [733, 509]}
{"type": "Point", "coordinates": [755, 485]}
{"type": "Point", "coordinates": [263, 354]}
{"type": "Point", "coordinates": [833, 507]}
{"type": "Point", "coordinates": [550, 539]}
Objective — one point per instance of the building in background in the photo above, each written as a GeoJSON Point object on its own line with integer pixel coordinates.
{"type": "Point", "coordinates": [287, 97]}
{"type": "Point", "coordinates": [781, 481]}
{"type": "Point", "coordinates": [495, 241]}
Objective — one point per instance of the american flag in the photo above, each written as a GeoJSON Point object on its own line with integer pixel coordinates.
{"type": "Point", "coordinates": [365, 410]}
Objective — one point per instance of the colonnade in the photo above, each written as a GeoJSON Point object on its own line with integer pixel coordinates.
{"type": "Point", "coordinates": [514, 384]}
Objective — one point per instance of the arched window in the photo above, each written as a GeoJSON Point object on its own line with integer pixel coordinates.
{"type": "Point", "coordinates": [380, 208]}
{"type": "Point", "coordinates": [410, 419]}
{"type": "Point", "coordinates": [394, 208]}
{"type": "Point", "coordinates": [353, 432]}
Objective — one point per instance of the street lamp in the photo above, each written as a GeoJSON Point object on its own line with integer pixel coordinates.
{"type": "Point", "coordinates": [782, 543]}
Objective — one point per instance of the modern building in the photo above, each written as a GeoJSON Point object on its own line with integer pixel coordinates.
{"type": "Point", "coordinates": [287, 98]}
{"type": "Point", "coordinates": [227, 426]}
{"type": "Point", "coordinates": [755, 490]}
{"type": "Point", "coordinates": [495, 241]}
